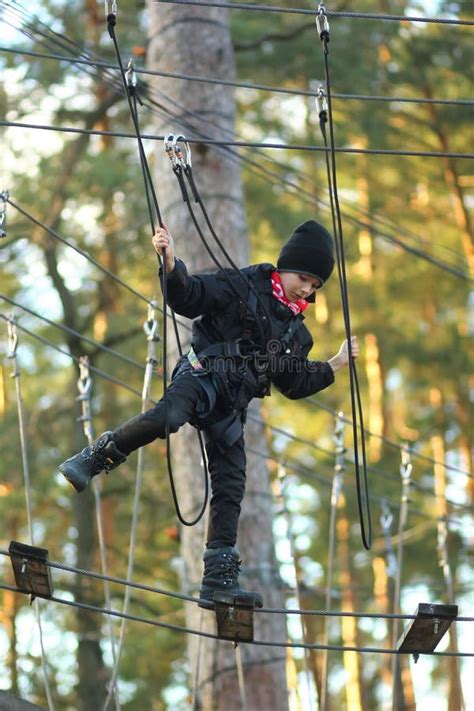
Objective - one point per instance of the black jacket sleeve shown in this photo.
(298, 378)
(195, 295)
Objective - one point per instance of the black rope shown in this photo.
(356, 403)
(153, 201)
(179, 171)
(238, 84)
(239, 144)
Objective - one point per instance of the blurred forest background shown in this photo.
(408, 238)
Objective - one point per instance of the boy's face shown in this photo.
(298, 286)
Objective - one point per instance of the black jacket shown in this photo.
(218, 303)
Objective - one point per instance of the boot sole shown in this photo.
(76, 485)
(206, 604)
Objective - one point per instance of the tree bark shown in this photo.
(182, 39)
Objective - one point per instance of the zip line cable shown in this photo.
(374, 217)
(304, 11)
(99, 372)
(100, 64)
(83, 52)
(80, 251)
(391, 443)
(262, 610)
(90, 259)
(258, 643)
(356, 403)
(300, 469)
(363, 225)
(237, 144)
(73, 332)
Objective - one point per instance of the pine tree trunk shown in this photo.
(194, 40)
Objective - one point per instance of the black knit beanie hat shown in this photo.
(309, 250)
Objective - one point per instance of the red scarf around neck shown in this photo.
(297, 307)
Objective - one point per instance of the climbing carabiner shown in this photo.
(321, 104)
(131, 77)
(185, 159)
(169, 150)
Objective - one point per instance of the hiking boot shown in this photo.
(103, 455)
(221, 574)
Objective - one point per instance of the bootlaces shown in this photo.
(231, 568)
(98, 456)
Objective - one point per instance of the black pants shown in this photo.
(185, 397)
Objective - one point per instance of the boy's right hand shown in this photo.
(164, 245)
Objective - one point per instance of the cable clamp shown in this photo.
(84, 383)
(12, 337)
(151, 324)
(386, 518)
(4, 195)
(406, 466)
(322, 23)
(321, 104)
(131, 77)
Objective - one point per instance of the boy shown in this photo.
(248, 334)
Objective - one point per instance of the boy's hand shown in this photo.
(342, 356)
(163, 243)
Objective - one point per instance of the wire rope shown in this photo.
(304, 11)
(261, 643)
(100, 64)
